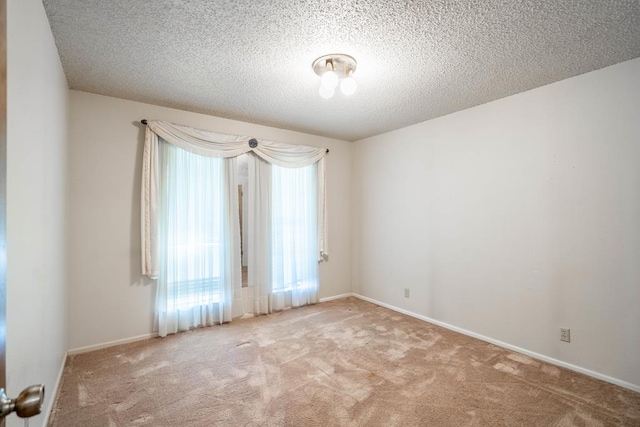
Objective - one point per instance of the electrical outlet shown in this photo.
(565, 335)
(406, 292)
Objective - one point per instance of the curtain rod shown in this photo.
(144, 122)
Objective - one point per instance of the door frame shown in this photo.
(3, 192)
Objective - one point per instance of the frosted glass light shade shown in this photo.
(326, 92)
(348, 86)
(330, 80)
(335, 69)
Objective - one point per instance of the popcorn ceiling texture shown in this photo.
(251, 60)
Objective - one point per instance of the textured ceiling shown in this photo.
(251, 60)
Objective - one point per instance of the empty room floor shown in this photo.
(341, 363)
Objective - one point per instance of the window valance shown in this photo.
(212, 144)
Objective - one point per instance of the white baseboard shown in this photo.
(110, 344)
(349, 294)
(54, 392)
(502, 344)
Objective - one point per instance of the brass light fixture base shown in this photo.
(339, 63)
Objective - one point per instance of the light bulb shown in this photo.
(326, 92)
(348, 86)
(330, 80)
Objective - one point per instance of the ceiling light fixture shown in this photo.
(336, 69)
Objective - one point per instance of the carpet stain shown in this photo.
(495, 388)
(551, 370)
(143, 419)
(475, 363)
(361, 334)
(123, 406)
(521, 358)
(396, 353)
(573, 420)
(508, 368)
(83, 396)
(148, 370)
(238, 373)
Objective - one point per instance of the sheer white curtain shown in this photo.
(197, 266)
(190, 233)
(294, 236)
(283, 235)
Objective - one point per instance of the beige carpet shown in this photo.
(340, 363)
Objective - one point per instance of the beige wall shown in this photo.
(513, 219)
(36, 158)
(108, 298)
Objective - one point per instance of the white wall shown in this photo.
(108, 299)
(36, 161)
(513, 219)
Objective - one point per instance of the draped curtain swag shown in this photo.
(211, 144)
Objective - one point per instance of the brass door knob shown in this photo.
(27, 404)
